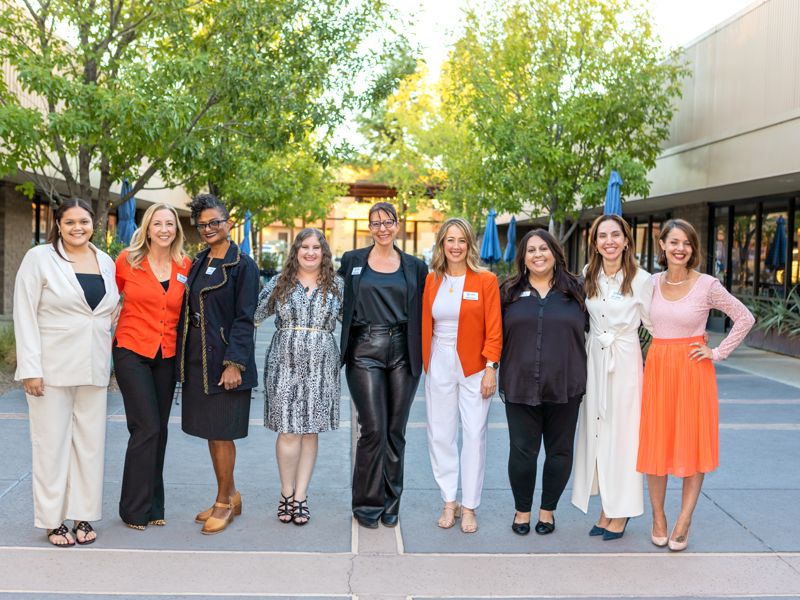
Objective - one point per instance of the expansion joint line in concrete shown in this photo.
(13, 486)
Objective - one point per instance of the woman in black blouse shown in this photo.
(542, 374)
(382, 350)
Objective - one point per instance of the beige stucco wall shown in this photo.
(736, 132)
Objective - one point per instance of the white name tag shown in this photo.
(356, 271)
(470, 295)
(617, 296)
(525, 294)
(181, 278)
(210, 270)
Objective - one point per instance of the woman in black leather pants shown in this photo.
(382, 351)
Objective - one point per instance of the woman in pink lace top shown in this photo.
(679, 428)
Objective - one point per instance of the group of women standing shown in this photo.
(567, 350)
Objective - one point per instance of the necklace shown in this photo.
(449, 281)
(681, 282)
(160, 270)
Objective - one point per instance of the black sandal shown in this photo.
(286, 508)
(86, 528)
(61, 530)
(301, 512)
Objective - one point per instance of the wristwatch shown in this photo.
(492, 365)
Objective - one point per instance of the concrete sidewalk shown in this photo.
(744, 541)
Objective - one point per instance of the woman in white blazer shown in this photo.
(618, 296)
(65, 304)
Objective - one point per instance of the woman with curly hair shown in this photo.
(216, 352)
(301, 369)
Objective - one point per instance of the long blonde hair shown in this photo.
(140, 244)
(439, 260)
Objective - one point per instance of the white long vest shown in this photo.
(608, 423)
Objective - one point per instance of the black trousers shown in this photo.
(382, 388)
(527, 426)
(147, 386)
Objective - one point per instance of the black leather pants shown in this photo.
(382, 388)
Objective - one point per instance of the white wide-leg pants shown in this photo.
(448, 396)
(68, 436)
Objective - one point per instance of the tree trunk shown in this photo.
(103, 197)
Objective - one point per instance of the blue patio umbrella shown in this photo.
(511, 243)
(126, 212)
(490, 248)
(776, 255)
(613, 204)
(245, 247)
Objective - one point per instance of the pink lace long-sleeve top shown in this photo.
(687, 317)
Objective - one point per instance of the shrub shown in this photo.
(8, 348)
(777, 315)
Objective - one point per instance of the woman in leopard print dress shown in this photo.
(301, 374)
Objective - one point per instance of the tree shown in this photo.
(190, 89)
(553, 95)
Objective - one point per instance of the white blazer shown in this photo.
(59, 338)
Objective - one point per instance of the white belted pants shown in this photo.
(449, 398)
(68, 435)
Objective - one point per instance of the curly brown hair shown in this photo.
(287, 279)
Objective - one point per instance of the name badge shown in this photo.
(356, 271)
(525, 294)
(210, 270)
(181, 278)
(617, 296)
(470, 295)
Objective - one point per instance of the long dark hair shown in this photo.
(54, 235)
(287, 279)
(563, 281)
(629, 266)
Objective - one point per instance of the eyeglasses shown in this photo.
(211, 225)
(376, 225)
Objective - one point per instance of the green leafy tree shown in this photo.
(558, 93)
(538, 102)
(192, 90)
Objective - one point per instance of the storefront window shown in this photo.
(41, 220)
(743, 253)
(773, 254)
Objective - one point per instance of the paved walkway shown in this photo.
(745, 541)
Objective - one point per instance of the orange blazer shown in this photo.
(149, 318)
(480, 326)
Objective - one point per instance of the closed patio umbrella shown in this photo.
(126, 212)
(613, 203)
(511, 243)
(776, 256)
(490, 248)
(245, 247)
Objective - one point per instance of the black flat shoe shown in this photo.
(521, 528)
(368, 523)
(595, 530)
(389, 520)
(543, 528)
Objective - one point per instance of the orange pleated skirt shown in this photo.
(679, 427)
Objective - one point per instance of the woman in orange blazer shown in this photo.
(462, 338)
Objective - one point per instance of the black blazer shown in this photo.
(415, 272)
(227, 306)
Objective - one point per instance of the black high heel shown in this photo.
(615, 535)
(301, 512)
(286, 508)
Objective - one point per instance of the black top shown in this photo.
(165, 285)
(414, 270)
(544, 352)
(229, 297)
(200, 282)
(382, 298)
(94, 288)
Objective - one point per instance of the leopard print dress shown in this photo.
(301, 371)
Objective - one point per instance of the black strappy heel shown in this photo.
(301, 512)
(286, 508)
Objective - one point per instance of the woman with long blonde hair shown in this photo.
(151, 275)
(462, 340)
